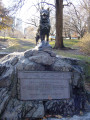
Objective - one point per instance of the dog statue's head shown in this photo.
(44, 14)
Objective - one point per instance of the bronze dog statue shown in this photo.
(44, 28)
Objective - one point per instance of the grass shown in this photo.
(84, 43)
(73, 44)
(17, 48)
(18, 45)
(67, 42)
(21, 44)
(7, 38)
(81, 57)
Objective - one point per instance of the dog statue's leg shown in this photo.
(47, 37)
(37, 37)
(36, 40)
(44, 37)
(42, 44)
(47, 42)
(41, 37)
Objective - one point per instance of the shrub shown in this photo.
(84, 44)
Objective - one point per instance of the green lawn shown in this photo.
(67, 42)
(73, 44)
(18, 45)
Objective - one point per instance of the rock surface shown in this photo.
(75, 117)
(35, 60)
(61, 65)
(17, 109)
(43, 59)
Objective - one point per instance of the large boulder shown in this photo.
(17, 110)
(61, 65)
(43, 59)
(11, 107)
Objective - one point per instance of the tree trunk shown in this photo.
(59, 24)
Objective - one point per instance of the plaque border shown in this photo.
(19, 83)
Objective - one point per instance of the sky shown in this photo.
(27, 12)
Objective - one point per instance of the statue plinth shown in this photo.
(43, 45)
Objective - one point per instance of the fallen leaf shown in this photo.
(81, 113)
(58, 116)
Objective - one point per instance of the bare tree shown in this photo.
(85, 7)
(75, 22)
(15, 6)
(66, 26)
